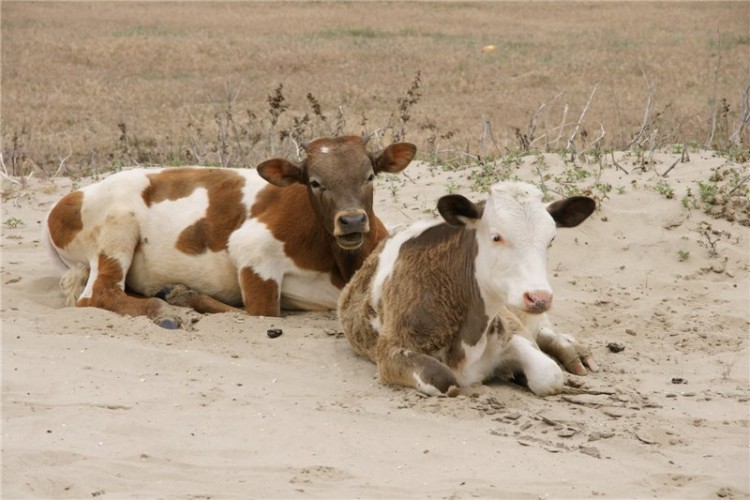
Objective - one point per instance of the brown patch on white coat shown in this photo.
(213, 239)
(431, 306)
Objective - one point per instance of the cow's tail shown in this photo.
(51, 249)
(73, 283)
(75, 277)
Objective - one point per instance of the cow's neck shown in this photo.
(291, 218)
(346, 261)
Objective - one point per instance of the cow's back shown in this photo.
(419, 283)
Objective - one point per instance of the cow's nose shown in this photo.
(537, 301)
(352, 220)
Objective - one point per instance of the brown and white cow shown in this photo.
(215, 238)
(447, 304)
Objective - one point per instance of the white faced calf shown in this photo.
(282, 235)
(437, 304)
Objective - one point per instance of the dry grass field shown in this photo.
(100, 85)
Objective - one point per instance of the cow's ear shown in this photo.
(280, 172)
(394, 158)
(571, 211)
(458, 210)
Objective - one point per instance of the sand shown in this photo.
(99, 405)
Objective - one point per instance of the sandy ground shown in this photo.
(97, 405)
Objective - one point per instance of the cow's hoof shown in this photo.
(168, 323)
(545, 382)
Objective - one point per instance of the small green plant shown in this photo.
(393, 184)
(577, 174)
(451, 187)
(484, 178)
(707, 192)
(604, 188)
(688, 201)
(664, 189)
(682, 255)
(512, 158)
(738, 154)
(13, 222)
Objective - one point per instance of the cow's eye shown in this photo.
(550, 243)
(497, 238)
(371, 178)
(315, 184)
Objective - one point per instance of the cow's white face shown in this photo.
(513, 236)
(513, 231)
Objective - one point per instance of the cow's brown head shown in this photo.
(339, 174)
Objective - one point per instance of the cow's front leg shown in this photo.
(574, 357)
(543, 375)
(261, 297)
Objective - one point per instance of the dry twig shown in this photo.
(738, 134)
(569, 146)
(617, 165)
(562, 126)
(62, 167)
(646, 112)
(714, 110)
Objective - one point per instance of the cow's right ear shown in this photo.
(280, 172)
(458, 210)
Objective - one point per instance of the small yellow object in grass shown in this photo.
(488, 49)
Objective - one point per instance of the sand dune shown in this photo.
(98, 405)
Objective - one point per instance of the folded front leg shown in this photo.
(574, 357)
(543, 375)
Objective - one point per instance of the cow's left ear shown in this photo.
(458, 210)
(394, 158)
(280, 172)
(571, 211)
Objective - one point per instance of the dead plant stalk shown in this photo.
(570, 147)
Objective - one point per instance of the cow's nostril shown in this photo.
(352, 220)
(538, 300)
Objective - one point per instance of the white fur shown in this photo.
(506, 271)
(309, 291)
(73, 283)
(424, 387)
(479, 362)
(266, 255)
(543, 374)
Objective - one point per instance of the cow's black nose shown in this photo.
(352, 220)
